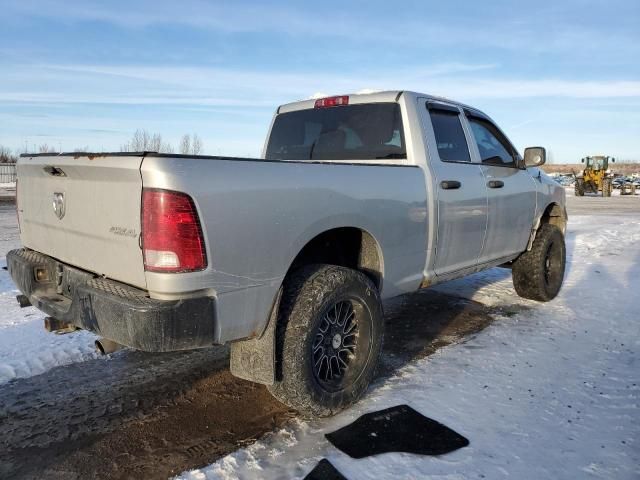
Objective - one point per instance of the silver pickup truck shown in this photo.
(356, 198)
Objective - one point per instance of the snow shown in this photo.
(26, 348)
(552, 392)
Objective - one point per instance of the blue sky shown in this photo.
(564, 74)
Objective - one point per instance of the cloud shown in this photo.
(202, 86)
(231, 17)
(522, 88)
(548, 30)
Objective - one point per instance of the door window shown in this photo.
(494, 148)
(452, 144)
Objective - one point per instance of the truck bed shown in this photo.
(256, 216)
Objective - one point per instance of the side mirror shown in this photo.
(534, 156)
(582, 160)
(613, 160)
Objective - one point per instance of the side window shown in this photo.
(452, 144)
(494, 148)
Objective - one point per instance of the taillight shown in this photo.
(332, 101)
(171, 234)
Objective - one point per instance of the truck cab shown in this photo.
(482, 200)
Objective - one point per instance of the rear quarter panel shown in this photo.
(258, 215)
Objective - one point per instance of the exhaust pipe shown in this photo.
(105, 346)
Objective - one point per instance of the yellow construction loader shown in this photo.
(596, 176)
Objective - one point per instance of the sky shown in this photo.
(75, 73)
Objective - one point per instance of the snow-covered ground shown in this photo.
(26, 349)
(552, 392)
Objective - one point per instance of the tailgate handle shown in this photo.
(450, 184)
(54, 171)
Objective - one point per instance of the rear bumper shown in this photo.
(111, 309)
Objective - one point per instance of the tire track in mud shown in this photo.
(140, 415)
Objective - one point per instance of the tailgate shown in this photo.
(84, 211)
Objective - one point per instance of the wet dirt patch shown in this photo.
(217, 415)
(153, 416)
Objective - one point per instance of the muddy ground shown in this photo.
(140, 415)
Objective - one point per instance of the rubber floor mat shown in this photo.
(396, 429)
(324, 470)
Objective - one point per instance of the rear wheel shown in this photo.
(329, 337)
(538, 274)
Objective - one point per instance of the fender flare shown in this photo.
(555, 211)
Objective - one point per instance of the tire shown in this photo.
(606, 188)
(579, 188)
(538, 273)
(314, 332)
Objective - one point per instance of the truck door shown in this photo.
(511, 191)
(461, 194)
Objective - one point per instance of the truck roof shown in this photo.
(369, 97)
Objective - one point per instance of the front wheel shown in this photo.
(329, 337)
(538, 273)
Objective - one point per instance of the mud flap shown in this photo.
(255, 359)
(396, 429)
(324, 470)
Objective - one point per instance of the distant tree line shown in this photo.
(141, 141)
(11, 156)
(7, 155)
(144, 141)
(626, 167)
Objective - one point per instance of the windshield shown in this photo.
(353, 132)
(597, 163)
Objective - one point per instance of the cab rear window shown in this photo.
(353, 132)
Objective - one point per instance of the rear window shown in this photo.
(353, 132)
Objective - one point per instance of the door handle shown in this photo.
(495, 184)
(450, 184)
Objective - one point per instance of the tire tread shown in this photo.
(300, 303)
(528, 268)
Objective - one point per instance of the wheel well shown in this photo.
(347, 247)
(258, 359)
(555, 215)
